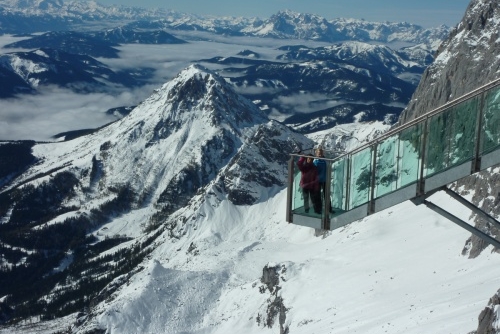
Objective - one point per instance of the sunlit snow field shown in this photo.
(399, 271)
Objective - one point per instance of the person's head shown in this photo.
(309, 158)
(319, 152)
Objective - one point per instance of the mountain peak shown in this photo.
(199, 90)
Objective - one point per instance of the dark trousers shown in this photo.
(314, 196)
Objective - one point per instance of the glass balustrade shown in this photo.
(451, 137)
(338, 189)
(361, 170)
(387, 165)
(491, 121)
(398, 160)
(303, 201)
(410, 148)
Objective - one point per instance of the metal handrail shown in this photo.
(431, 113)
(415, 121)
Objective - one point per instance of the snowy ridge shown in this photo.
(364, 55)
(289, 24)
(195, 120)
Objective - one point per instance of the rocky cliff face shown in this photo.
(468, 59)
(489, 316)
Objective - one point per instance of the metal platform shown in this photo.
(407, 163)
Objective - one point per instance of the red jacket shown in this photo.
(309, 178)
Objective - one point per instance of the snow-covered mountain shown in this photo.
(467, 60)
(365, 82)
(46, 66)
(288, 24)
(172, 220)
(284, 24)
(70, 42)
(338, 83)
(194, 140)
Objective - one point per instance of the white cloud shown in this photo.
(307, 102)
(56, 110)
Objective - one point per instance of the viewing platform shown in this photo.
(410, 162)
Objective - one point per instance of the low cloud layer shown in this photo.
(307, 102)
(54, 110)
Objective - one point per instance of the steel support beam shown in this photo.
(462, 224)
(472, 207)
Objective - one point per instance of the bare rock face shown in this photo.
(486, 188)
(467, 60)
(489, 316)
(275, 308)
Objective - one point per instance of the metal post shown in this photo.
(423, 146)
(476, 162)
(371, 205)
(289, 192)
(326, 204)
(347, 183)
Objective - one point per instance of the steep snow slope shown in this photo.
(390, 273)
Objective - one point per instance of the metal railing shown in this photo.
(448, 143)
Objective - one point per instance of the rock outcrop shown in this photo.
(467, 60)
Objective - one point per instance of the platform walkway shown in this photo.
(407, 163)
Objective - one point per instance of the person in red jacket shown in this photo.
(309, 182)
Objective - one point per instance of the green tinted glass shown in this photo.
(359, 186)
(386, 173)
(338, 184)
(463, 130)
(409, 155)
(299, 197)
(297, 200)
(491, 121)
(438, 138)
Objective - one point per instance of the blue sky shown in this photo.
(427, 13)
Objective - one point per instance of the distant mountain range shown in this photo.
(27, 71)
(49, 15)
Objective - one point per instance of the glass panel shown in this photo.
(491, 121)
(463, 132)
(438, 139)
(409, 154)
(451, 139)
(386, 174)
(338, 184)
(297, 201)
(360, 178)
